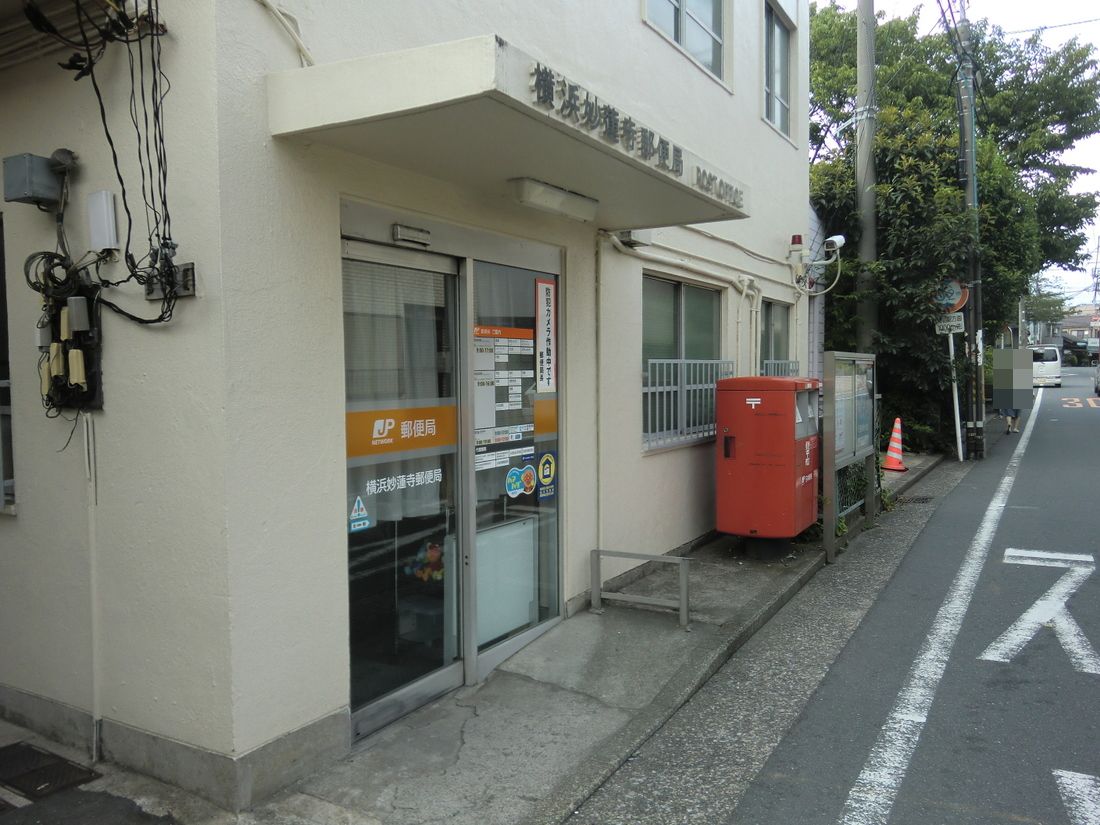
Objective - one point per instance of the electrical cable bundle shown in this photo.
(100, 23)
(68, 329)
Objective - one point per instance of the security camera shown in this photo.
(834, 242)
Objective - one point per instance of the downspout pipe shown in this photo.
(754, 327)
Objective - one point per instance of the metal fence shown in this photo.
(7, 471)
(781, 368)
(851, 488)
(678, 400)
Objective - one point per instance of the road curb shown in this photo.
(598, 766)
(916, 474)
(567, 795)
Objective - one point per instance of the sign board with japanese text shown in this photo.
(952, 322)
(850, 406)
(546, 366)
(848, 430)
(396, 430)
(570, 103)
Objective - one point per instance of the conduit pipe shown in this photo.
(283, 18)
(754, 323)
(757, 255)
(745, 284)
(599, 401)
(749, 283)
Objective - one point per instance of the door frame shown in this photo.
(391, 706)
(366, 234)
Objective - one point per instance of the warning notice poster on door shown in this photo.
(546, 365)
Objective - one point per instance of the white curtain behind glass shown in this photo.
(398, 339)
(391, 335)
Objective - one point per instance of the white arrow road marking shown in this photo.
(1044, 558)
(1080, 795)
(1049, 611)
(872, 797)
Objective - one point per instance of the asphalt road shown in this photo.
(945, 671)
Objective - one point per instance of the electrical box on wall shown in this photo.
(70, 340)
(31, 179)
(184, 283)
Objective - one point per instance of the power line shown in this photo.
(1055, 26)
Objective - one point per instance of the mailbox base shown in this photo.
(759, 549)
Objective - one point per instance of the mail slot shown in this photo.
(767, 455)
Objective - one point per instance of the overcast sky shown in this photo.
(1022, 16)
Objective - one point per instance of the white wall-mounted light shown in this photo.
(553, 199)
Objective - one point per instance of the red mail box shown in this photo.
(768, 456)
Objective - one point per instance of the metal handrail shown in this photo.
(598, 594)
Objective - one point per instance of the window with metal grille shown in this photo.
(681, 343)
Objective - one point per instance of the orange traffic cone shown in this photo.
(893, 452)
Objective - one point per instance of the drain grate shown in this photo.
(914, 499)
(19, 758)
(36, 773)
(49, 779)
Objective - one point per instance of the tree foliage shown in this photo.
(1045, 307)
(1034, 104)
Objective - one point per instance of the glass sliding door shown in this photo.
(516, 460)
(400, 340)
(453, 471)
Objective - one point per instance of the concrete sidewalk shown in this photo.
(533, 741)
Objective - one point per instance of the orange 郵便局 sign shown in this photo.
(375, 432)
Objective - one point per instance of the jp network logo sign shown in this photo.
(382, 427)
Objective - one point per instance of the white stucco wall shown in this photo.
(114, 595)
(613, 52)
(289, 546)
(616, 54)
(203, 595)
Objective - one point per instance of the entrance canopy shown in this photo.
(482, 114)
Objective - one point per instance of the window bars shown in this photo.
(678, 400)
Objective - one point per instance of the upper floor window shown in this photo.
(777, 71)
(694, 24)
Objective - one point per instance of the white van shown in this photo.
(1046, 367)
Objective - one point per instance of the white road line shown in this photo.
(1050, 610)
(872, 797)
(1043, 558)
(1080, 796)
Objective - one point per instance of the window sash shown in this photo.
(680, 320)
(701, 17)
(681, 343)
(775, 332)
(777, 75)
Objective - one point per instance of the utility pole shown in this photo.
(1096, 271)
(867, 308)
(975, 426)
